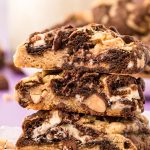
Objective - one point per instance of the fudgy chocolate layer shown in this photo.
(78, 131)
(85, 83)
(93, 46)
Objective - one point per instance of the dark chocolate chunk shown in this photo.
(128, 39)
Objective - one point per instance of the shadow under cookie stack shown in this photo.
(87, 96)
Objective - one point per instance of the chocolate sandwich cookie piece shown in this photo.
(77, 20)
(82, 91)
(59, 130)
(91, 47)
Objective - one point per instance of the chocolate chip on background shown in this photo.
(4, 85)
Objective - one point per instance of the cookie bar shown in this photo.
(83, 92)
(55, 130)
(93, 46)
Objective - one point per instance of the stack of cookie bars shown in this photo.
(86, 94)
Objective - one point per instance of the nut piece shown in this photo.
(36, 98)
(95, 103)
(44, 93)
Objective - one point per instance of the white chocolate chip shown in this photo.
(79, 97)
(54, 120)
(41, 40)
(75, 133)
(130, 64)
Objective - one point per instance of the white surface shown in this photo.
(12, 133)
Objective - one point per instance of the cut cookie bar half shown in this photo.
(56, 130)
(93, 46)
(82, 92)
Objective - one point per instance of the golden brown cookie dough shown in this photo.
(82, 92)
(91, 47)
(59, 130)
(6, 145)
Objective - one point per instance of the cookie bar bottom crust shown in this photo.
(114, 142)
(47, 147)
(132, 142)
(38, 148)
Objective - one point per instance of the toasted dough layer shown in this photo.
(58, 130)
(82, 92)
(93, 46)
